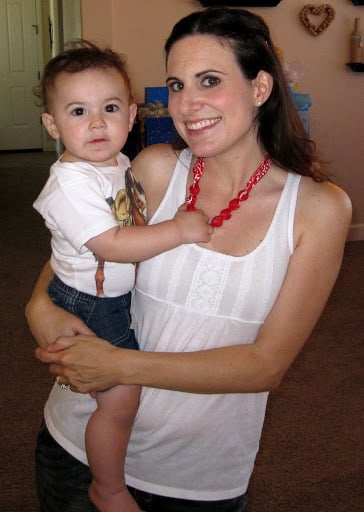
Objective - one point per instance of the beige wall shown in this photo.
(139, 28)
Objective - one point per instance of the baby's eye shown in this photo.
(111, 108)
(79, 111)
(175, 86)
(211, 81)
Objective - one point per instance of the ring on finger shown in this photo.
(62, 386)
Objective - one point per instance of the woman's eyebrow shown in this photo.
(199, 74)
(169, 78)
(207, 71)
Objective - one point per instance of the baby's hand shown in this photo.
(194, 226)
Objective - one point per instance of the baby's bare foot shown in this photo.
(120, 501)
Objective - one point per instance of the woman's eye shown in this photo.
(111, 108)
(175, 86)
(211, 81)
(79, 111)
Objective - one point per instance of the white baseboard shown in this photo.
(356, 232)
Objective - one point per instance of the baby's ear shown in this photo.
(133, 109)
(50, 125)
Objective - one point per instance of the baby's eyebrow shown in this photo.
(75, 104)
(114, 98)
(82, 104)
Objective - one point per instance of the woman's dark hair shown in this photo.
(81, 56)
(280, 130)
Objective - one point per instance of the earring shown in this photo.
(259, 103)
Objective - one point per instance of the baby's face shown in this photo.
(92, 115)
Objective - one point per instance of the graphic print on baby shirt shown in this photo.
(130, 209)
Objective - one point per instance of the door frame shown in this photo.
(54, 16)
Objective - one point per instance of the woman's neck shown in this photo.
(232, 171)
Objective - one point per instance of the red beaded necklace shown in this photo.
(234, 204)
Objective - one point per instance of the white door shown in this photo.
(20, 126)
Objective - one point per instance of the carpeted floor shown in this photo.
(311, 450)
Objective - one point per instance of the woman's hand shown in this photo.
(86, 363)
(48, 321)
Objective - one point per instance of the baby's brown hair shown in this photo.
(83, 55)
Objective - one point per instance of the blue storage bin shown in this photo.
(303, 103)
(158, 127)
(159, 130)
(155, 94)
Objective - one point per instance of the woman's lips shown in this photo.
(203, 123)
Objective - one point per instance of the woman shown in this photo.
(219, 323)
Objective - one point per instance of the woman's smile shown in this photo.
(193, 126)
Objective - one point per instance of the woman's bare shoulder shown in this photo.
(325, 195)
(323, 206)
(153, 168)
(158, 158)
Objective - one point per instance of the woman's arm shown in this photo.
(323, 220)
(154, 167)
(46, 320)
(323, 217)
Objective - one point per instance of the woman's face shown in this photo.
(212, 104)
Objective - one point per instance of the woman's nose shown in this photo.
(189, 102)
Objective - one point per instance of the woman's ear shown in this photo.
(50, 125)
(263, 85)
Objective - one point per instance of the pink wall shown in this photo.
(139, 29)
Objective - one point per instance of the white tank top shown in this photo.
(203, 446)
(186, 445)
